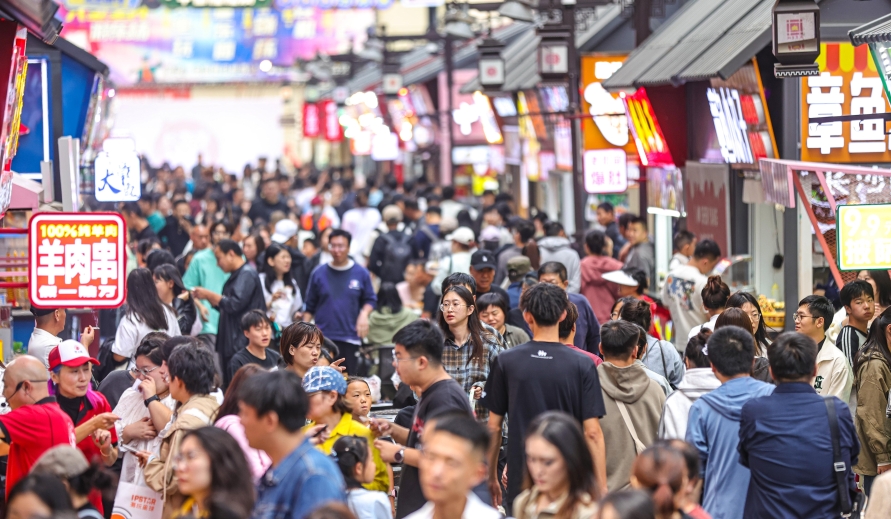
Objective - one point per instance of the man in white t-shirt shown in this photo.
(360, 222)
(682, 292)
(49, 324)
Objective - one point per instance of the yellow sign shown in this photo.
(607, 126)
(863, 234)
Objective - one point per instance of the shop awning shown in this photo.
(704, 39)
(875, 31)
(39, 16)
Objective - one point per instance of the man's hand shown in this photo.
(140, 430)
(477, 392)
(362, 325)
(88, 336)
(379, 426)
(104, 421)
(200, 292)
(883, 468)
(504, 476)
(317, 434)
(495, 489)
(388, 450)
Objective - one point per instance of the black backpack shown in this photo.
(396, 257)
(106, 360)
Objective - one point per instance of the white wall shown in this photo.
(229, 130)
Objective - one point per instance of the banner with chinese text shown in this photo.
(77, 260)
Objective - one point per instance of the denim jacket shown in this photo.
(302, 482)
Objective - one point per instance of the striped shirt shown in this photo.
(849, 341)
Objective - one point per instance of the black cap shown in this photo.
(482, 259)
(40, 312)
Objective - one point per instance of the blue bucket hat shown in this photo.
(324, 378)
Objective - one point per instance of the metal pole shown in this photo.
(789, 149)
(450, 84)
(578, 181)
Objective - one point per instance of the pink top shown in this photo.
(257, 459)
(597, 360)
(599, 292)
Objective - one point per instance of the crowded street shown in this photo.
(445, 259)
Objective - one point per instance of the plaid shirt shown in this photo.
(468, 373)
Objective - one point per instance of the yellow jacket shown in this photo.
(349, 427)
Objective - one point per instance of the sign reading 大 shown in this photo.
(77, 260)
(864, 237)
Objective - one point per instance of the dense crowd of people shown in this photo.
(528, 373)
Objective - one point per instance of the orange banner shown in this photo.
(607, 126)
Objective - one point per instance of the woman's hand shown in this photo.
(148, 388)
(477, 392)
(140, 430)
(102, 439)
(278, 295)
(104, 421)
(143, 457)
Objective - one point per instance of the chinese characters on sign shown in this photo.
(864, 237)
(606, 171)
(730, 125)
(648, 136)
(77, 260)
(848, 84)
(608, 125)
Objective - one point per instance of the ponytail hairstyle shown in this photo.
(715, 293)
(347, 452)
(661, 471)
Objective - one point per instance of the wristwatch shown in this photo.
(400, 456)
(149, 400)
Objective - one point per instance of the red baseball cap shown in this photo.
(70, 353)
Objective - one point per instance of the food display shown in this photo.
(773, 312)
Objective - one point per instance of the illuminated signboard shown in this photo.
(118, 172)
(77, 260)
(864, 237)
(311, 121)
(648, 136)
(487, 118)
(848, 84)
(384, 146)
(605, 171)
(730, 125)
(327, 114)
(608, 125)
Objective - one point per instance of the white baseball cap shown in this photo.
(462, 235)
(70, 353)
(620, 277)
(285, 230)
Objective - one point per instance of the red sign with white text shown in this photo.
(648, 136)
(77, 260)
(330, 122)
(311, 121)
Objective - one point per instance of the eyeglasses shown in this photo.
(395, 360)
(799, 316)
(448, 306)
(185, 457)
(136, 372)
(22, 383)
(755, 317)
(333, 246)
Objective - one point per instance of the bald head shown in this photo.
(32, 375)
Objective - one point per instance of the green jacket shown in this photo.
(873, 381)
(204, 272)
(383, 325)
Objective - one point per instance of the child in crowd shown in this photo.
(859, 301)
(353, 457)
(258, 330)
(358, 398)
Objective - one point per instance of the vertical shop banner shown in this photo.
(708, 202)
(311, 120)
(848, 84)
(330, 125)
(607, 126)
(77, 260)
(13, 70)
(648, 137)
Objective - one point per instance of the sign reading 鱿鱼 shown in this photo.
(863, 237)
(77, 260)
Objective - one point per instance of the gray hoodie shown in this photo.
(556, 248)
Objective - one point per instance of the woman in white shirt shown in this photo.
(715, 294)
(145, 314)
(283, 298)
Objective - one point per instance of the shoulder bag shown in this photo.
(638, 445)
(851, 506)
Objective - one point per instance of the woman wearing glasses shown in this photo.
(140, 421)
(748, 304)
(469, 348)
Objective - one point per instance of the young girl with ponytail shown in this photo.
(353, 456)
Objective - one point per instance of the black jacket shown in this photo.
(241, 293)
(186, 313)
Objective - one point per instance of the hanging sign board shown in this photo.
(77, 260)
(863, 237)
(606, 171)
(648, 136)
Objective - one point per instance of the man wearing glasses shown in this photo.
(834, 376)
(36, 423)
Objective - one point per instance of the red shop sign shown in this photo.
(77, 260)
(330, 122)
(645, 129)
(311, 122)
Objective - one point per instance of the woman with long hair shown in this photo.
(173, 293)
(301, 347)
(71, 373)
(325, 389)
(881, 286)
(469, 349)
(210, 468)
(389, 316)
(715, 294)
(282, 295)
(228, 420)
(748, 304)
(872, 382)
(80, 477)
(734, 317)
(38, 495)
(145, 313)
(662, 472)
(253, 247)
(352, 454)
(559, 477)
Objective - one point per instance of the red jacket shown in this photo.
(598, 291)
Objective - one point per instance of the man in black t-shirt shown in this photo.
(417, 356)
(258, 330)
(541, 375)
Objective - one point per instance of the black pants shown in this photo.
(350, 353)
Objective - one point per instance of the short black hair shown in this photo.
(525, 229)
(545, 302)
(682, 239)
(280, 392)
(180, 201)
(504, 198)
(341, 233)
(434, 209)
(792, 356)
(465, 427)
(707, 249)
(855, 289)
(625, 219)
(553, 267)
(572, 315)
(488, 299)
(253, 318)
(194, 367)
(448, 193)
(606, 206)
(458, 279)
(157, 257)
(641, 220)
(731, 350)
(596, 241)
(819, 306)
(422, 338)
(132, 208)
(553, 228)
(695, 345)
(226, 246)
(618, 338)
